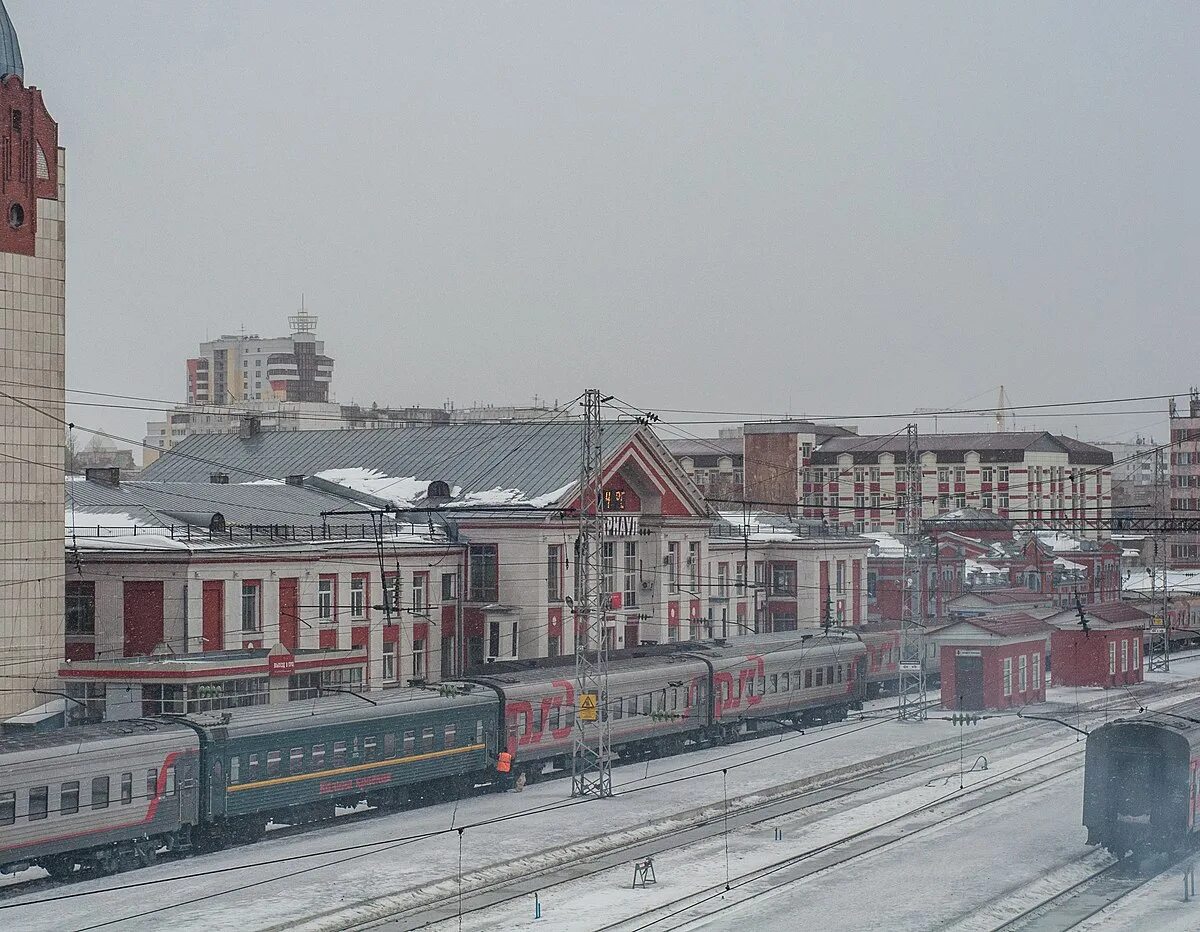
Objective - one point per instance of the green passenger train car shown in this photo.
(296, 762)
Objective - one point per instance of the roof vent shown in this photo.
(218, 478)
(297, 479)
(248, 426)
(438, 489)
(105, 475)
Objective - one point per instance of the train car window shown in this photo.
(8, 808)
(68, 798)
(274, 762)
(631, 706)
(662, 700)
(318, 756)
(556, 715)
(169, 783)
(339, 753)
(737, 688)
(152, 782)
(370, 747)
(829, 675)
(296, 760)
(389, 744)
(449, 736)
(762, 685)
(646, 704)
(820, 677)
(408, 742)
(479, 731)
(39, 802)
(674, 699)
(354, 749)
(235, 769)
(252, 766)
(808, 679)
(126, 789)
(839, 666)
(750, 686)
(427, 735)
(773, 685)
(786, 683)
(99, 792)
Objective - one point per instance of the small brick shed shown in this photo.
(992, 662)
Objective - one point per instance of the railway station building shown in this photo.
(992, 662)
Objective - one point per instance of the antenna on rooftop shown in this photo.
(1001, 408)
(302, 321)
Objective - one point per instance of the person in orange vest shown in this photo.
(504, 762)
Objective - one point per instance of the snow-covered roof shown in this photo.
(1064, 564)
(886, 545)
(1139, 582)
(974, 567)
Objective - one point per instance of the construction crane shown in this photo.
(1001, 414)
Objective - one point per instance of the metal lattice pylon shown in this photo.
(911, 675)
(1159, 656)
(591, 763)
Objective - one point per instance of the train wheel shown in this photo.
(62, 868)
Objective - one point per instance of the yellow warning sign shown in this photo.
(587, 707)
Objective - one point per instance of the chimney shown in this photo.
(297, 479)
(104, 475)
(248, 426)
(219, 478)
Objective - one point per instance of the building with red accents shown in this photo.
(992, 662)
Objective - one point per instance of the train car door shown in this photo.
(968, 679)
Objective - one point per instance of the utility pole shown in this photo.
(1160, 630)
(591, 765)
(911, 678)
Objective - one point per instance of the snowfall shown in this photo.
(965, 871)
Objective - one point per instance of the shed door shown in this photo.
(289, 613)
(213, 595)
(968, 681)
(143, 616)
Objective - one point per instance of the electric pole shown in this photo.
(1160, 629)
(591, 764)
(911, 677)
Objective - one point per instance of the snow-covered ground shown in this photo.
(287, 881)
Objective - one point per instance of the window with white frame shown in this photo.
(722, 580)
(515, 639)
(358, 596)
(1124, 656)
(841, 577)
(673, 565)
(325, 598)
(741, 578)
(418, 658)
(1008, 683)
(608, 566)
(389, 660)
(1038, 682)
(251, 606)
(554, 586)
(1023, 673)
(694, 564)
(1137, 653)
(1112, 657)
(420, 595)
(631, 574)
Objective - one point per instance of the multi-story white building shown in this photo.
(247, 367)
(32, 422)
(1034, 478)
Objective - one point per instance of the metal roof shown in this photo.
(167, 504)
(536, 458)
(10, 48)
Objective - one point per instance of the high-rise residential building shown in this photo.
(1183, 550)
(246, 367)
(31, 368)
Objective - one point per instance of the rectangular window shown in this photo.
(493, 639)
(820, 677)
(554, 587)
(722, 580)
(39, 802)
(251, 606)
(1002, 474)
(449, 587)
(235, 769)
(773, 683)
(126, 789)
(392, 593)
(99, 792)
(1112, 657)
(631, 574)
(252, 766)
(296, 760)
(741, 578)
(427, 739)
(68, 798)
(694, 564)
(841, 577)
(1124, 656)
(169, 783)
(318, 756)
(513, 641)
(81, 608)
(673, 565)
(1008, 683)
(8, 808)
(450, 736)
(1137, 654)
(484, 572)
(370, 747)
(389, 661)
(608, 567)
(325, 587)
(986, 474)
(1036, 660)
(420, 592)
(409, 742)
(339, 753)
(419, 658)
(152, 777)
(274, 763)
(1023, 673)
(943, 474)
(808, 679)
(358, 595)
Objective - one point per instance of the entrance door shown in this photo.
(213, 631)
(143, 617)
(968, 682)
(289, 613)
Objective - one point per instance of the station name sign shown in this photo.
(620, 525)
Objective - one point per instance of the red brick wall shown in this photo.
(19, 142)
(771, 470)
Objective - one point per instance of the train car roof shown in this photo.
(513, 674)
(81, 739)
(337, 709)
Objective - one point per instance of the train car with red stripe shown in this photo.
(97, 798)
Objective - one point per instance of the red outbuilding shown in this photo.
(1105, 655)
(992, 662)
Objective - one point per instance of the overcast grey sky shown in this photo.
(763, 207)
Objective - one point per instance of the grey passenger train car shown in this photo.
(98, 797)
